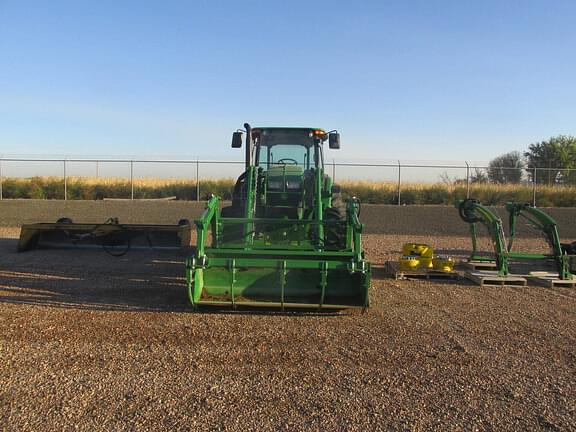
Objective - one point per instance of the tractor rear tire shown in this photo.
(231, 233)
(335, 235)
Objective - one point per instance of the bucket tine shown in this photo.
(323, 283)
(232, 270)
(282, 284)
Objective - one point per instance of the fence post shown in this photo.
(467, 180)
(534, 187)
(65, 181)
(132, 180)
(399, 181)
(333, 170)
(197, 180)
(1, 182)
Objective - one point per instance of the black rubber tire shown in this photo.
(117, 246)
(183, 222)
(64, 220)
(231, 233)
(335, 235)
(239, 192)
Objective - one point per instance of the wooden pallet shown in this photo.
(491, 278)
(394, 270)
(551, 280)
(479, 265)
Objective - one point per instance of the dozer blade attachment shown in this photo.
(113, 237)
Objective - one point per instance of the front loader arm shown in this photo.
(209, 218)
(547, 225)
(472, 211)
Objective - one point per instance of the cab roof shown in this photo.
(315, 131)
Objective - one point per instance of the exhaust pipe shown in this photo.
(248, 144)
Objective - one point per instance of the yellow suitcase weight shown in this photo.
(426, 262)
(419, 249)
(409, 262)
(443, 263)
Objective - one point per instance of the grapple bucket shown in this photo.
(112, 236)
(263, 268)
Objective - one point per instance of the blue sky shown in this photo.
(411, 80)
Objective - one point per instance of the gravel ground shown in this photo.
(93, 342)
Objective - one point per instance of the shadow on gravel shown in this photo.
(274, 312)
(143, 280)
(379, 272)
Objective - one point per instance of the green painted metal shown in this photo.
(473, 212)
(287, 255)
(262, 274)
(547, 225)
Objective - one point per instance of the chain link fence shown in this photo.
(403, 177)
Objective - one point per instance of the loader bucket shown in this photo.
(284, 274)
(114, 237)
(313, 281)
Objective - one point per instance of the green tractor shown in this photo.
(288, 240)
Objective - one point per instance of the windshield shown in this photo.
(287, 147)
(284, 154)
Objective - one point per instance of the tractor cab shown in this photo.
(274, 147)
(286, 161)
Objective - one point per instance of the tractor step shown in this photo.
(551, 280)
(393, 269)
(492, 278)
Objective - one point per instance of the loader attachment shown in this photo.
(113, 237)
(472, 212)
(278, 263)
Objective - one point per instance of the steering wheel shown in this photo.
(284, 160)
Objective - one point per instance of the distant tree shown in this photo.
(554, 156)
(478, 176)
(506, 168)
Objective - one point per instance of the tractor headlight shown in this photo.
(293, 185)
(275, 185)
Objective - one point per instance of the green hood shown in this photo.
(279, 176)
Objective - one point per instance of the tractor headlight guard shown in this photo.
(275, 185)
(293, 185)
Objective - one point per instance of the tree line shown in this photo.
(554, 160)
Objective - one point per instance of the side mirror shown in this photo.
(237, 140)
(334, 140)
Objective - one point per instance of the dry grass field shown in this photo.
(369, 191)
(92, 342)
